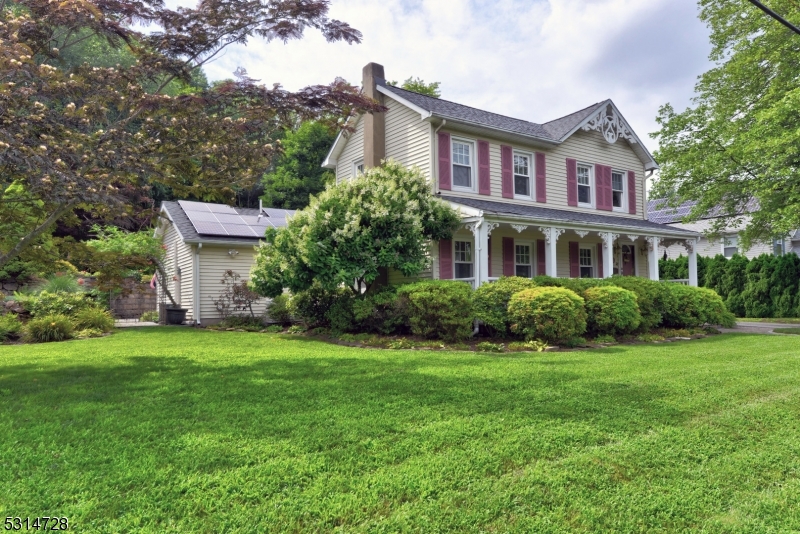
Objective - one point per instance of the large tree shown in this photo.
(740, 141)
(73, 136)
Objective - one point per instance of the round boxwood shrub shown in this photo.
(313, 306)
(552, 314)
(654, 299)
(697, 306)
(378, 312)
(611, 310)
(93, 319)
(48, 328)
(491, 302)
(278, 310)
(438, 308)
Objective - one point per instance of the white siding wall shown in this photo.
(408, 138)
(712, 247)
(214, 261)
(352, 152)
(183, 294)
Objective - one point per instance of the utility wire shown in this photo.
(775, 16)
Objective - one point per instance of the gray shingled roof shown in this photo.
(575, 217)
(551, 131)
(659, 211)
(189, 234)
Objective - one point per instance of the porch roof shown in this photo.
(578, 218)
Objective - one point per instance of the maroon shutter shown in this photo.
(445, 259)
(574, 260)
(572, 182)
(541, 267)
(508, 257)
(599, 260)
(507, 168)
(603, 186)
(489, 244)
(444, 161)
(484, 180)
(541, 178)
(632, 192)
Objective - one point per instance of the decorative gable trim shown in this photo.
(424, 113)
(331, 160)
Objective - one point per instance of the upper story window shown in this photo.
(730, 245)
(462, 259)
(463, 156)
(617, 190)
(358, 167)
(778, 246)
(522, 175)
(586, 262)
(585, 185)
(523, 264)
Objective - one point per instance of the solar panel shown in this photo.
(239, 230)
(208, 228)
(221, 208)
(222, 220)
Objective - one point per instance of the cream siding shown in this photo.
(353, 151)
(180, 254)
(214, 261)
(407, 137)
(712, 247)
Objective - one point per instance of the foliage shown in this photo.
(235, 296)
(312, 306)
(242, 322)
(678, 268)
(611, 310)
(649, 338)
(45, 303)
(491, 301)
(149, 317)
(47, 328)
(94, 319)
(298, 172)
(697, 306)
(274, 329)
(739, 141)
(340, 315)
(379, 312)
(278, 310)
(552, 314)
(605, 339)
(487, 346)
(788, 330)
(418, 85)
(295, 329)
(531, 345)
(383, 219)
(60, 283)
(88, 333)
(118, 241)
(438, 309)
(10, 326)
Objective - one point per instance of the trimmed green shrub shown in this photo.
(653, 298)
(46, 303)
(611, 310)
(278, 310)
(490, 302)
(312, 305)
(94, 319)
(553, 314)
(48, 328)
(243, 322)
(340, 315)
(274, 329)
(380, 312)
(149, 317)
(578, 285)
(88, 333)
(438, 308)
(697, 306)
(10, 326)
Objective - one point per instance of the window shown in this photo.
(617, 190)
(524, 267)
(462, 164)
(463, 259)
(358, 167)
(522, 175)
(730, 245)
(587, 267)
(584, 185)
(778, 246)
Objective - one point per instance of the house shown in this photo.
(202, 241)
(659, 211)
(564, 198)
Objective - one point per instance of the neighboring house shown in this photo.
(204, 240)
(727, 244)
(564, 198)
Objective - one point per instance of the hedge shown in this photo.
(552, 314)
(438, 308)
(491, 302)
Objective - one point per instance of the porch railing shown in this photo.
(682, 281)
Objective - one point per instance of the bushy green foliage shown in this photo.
(678, 268)
(611, 310)
(340, 315)
(438, 308)
(45, 303)
(94, 319)
(653, 298)
(487, 346)
(149, 316)
(553, 314)
(578, 285)
(274, 329)
(48, 328)
(242, 322)
(60, 283)
(312, 305)
(380, 312)
(10, 326)
(697, 306)
(278, 310)
(491, 301)
(88, 333)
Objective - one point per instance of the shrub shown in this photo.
(243, 322)
(312, 305)
(490, 302)
(611, 310)
(48, 328)
(273, 329)
(60, 283)
(553, 314)
(379, 312)
(697, 306)
(10, 326)
(295, 329)
(538, 346)
(278, 310)
(486, 346)
(438, 308)
(653, 298)
(605, 339)
(93, 318)
(46, 303)
(340, 315)
(88, 333)
(149, 317)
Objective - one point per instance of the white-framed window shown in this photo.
(618, 190)
(730, 245)
(523, 261)
(778, 246)
(463, 158)
(462, 260)
(585, 185)
(358, 167)
(586, 261)
(523, 173)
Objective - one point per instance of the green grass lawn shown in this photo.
(177, 430)
(794, 330)
(783, 320)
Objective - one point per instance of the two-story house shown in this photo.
(564, 198)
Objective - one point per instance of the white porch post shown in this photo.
(551, 236)
(608, 253)
(690, 246)
(652, 256)
(478, 229)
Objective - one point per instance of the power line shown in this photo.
(775, 16)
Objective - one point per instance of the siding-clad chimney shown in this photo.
(374, 123)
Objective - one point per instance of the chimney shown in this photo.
(374, 123)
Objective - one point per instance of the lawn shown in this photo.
(177, 430)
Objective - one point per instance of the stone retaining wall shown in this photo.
(140, 299)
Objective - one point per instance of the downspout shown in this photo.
(197, 284)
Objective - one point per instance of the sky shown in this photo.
(534, 60)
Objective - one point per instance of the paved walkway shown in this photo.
(126, 323)
(749, 327)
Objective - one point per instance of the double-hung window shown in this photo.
(617, 190)
(463, 159)
(462, 258)
(584, 185)
(730, 245)
(586, 262)
(522, 175)
(523, 263)
(778, 246)
(358, 168)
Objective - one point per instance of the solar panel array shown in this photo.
(222, 220)
(659, 211)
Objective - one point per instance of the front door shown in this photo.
(628, 260)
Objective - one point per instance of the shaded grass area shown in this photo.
(781, 320)
(795, 330)
(167, 430)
